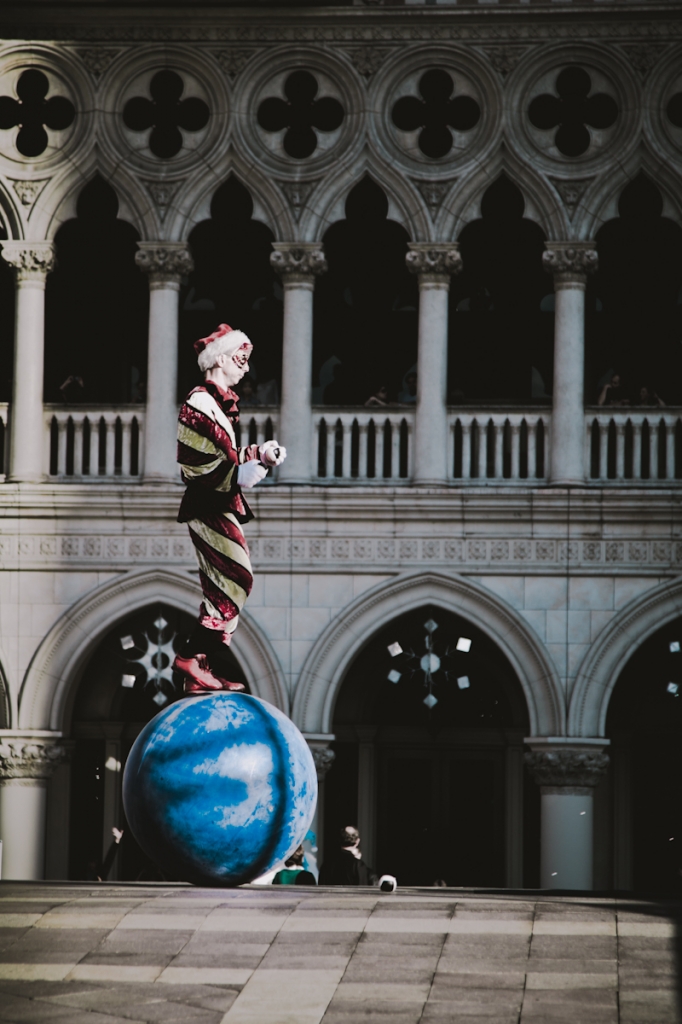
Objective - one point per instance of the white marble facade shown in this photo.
(567, 575)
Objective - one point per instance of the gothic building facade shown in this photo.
(453, 232)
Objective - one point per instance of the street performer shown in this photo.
(216, 471)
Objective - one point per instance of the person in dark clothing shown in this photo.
(293, 872)
(345, 865)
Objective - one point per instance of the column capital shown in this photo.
(434, 261)
(298, 260)
(30, 756)
(565, 764)
(570, 262)
(322, 755)
(29, 259)
(164, 261)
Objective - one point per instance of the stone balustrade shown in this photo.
(634, 446)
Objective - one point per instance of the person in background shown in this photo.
(345, 865)
(408, 396)
(73, 389)
(248, 394)
(380, 396)
(293, 872)
(647, 396)
(613, 392)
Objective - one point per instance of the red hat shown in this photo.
(201, 344)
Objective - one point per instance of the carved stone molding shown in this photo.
(29, 259)
(97, 59)
(434, 192)
(167, 261)
(572, 769)
(368, 59)
(434, 260)
(297, 193)
(504, 58)
(297, 260)
(28, 191)
(571, 192)
(570, 261)
(162, 193)
(29, 757)
(233, 59)
(643, 56)
(323, 758)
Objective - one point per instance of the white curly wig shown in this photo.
(224, 341)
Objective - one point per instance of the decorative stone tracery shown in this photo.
(30, 757)
(579, 769)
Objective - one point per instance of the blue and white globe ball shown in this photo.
(218, 789)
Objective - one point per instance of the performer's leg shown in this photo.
(204, 662)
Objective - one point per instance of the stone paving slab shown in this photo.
(108, 954)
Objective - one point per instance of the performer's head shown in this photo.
(224, 355)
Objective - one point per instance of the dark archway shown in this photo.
(441, 772)
(125, 683)
(365, 327)
(501, 307)
(97, 302)
(233, 282)
(644, 724)
(6, 327)
(634, 301)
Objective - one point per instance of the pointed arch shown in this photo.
(10, 218)
(607, 657)
(5, 702)
(57, 666)
(330, 658)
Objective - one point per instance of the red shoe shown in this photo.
(198, 676)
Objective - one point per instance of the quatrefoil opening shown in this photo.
(674, 110)
(33, 112)
(572, 111)
(436, 113)
(165, 113)
(301, 114)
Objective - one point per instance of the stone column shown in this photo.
(323, 758)
(434, 264)
(32, 262)
(297, 264)
(165, 263)
(567, 771)
(570, 263)
(27, 760)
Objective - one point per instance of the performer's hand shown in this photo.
(272, 453)
(250, 473)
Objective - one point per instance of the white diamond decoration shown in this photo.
(393, 676)
(127, 642)
(430, 701)
(128, 681)
(395, 649)
(464, 644)
(430, 626)
(674, 646)
(672, 688)
(463, 682)
(160, 623)
(160, 699)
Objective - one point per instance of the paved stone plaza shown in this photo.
(82, 953)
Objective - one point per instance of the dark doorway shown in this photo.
(501, 323)
(634, 301)
(439, 751)
(126, 682)
(365, 325)
(233, 283)
(96, 306)
(644, 723)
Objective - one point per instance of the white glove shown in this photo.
(250, 473)
(272, 453)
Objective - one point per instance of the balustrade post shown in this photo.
(434, 264)
(620, 450)
(362, 451)
(297, 264)
(515, 451)
(32, 262)
(567, 771)
(570, 263)
(165, 263)
(466, 449)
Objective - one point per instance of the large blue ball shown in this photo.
(219, 788)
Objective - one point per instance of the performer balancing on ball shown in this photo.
(216, 471)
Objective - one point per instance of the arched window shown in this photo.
(365, 332)
(634, 301)
(233, 282)
(97, 301)
(500, 329)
